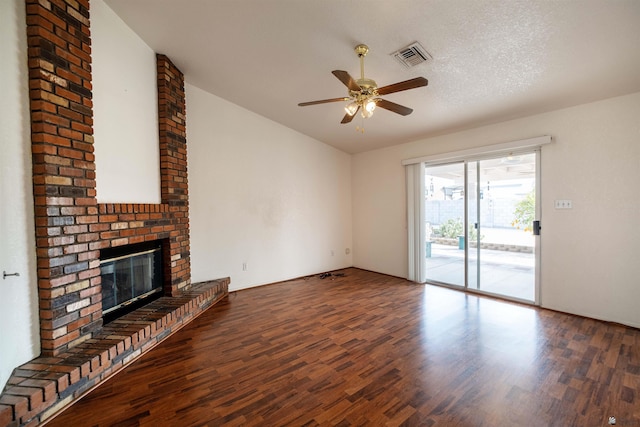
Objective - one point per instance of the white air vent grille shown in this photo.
(412, 55)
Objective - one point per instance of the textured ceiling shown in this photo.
(492, 60)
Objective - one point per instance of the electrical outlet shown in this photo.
(563, 204)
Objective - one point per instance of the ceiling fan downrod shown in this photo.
(367, 86)
(361, 51)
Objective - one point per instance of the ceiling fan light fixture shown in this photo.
(366, 113)
(370, 105)
(351, 108)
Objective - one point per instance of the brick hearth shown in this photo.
(39, 389)
(71, 227)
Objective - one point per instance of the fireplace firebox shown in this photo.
(131, 277)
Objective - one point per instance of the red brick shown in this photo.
(81, 53)
(6, 415)
(99, 245)
(33, 394)
(67, 75)
(40, 148)
(74, 116)
(99, 227)
(63, 280)
(73, 172)
(70, 153)
(75, 229)
(136, 239)
(48, 387)
(79, 323)
(87, 274)
(84, 201)
(20, 404)
(50, 118)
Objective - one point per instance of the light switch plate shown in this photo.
(563, 204)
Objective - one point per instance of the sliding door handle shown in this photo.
(536, 228)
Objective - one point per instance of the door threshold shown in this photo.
(483, 293)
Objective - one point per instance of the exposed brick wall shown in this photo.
(174, 188)
(71, 226)
(78, 352)
(59, 49)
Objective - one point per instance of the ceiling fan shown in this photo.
(364, 93)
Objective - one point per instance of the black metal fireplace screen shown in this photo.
(131, 277)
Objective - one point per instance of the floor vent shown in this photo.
(412, 55)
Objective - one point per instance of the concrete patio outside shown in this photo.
(507, 273)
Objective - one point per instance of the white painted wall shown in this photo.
(19, 322)
(590, 262)
(125, 102)
(263, 194)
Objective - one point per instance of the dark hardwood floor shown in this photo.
(368, 349)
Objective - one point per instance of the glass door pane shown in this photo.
(445, 214)
(506, 257)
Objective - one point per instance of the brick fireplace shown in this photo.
(71, 227)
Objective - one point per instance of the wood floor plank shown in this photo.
(369, 349)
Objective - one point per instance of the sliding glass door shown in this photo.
(506, 244)
(444, 214)
(479, 219)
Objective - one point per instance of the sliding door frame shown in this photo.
(416, 246)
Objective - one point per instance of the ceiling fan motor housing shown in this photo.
(367, 84)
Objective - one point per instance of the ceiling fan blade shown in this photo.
(347, 118)
(392, 106)
(323, 101)
(405, 85)
(345, 78)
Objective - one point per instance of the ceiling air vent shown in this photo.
(412, 55)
